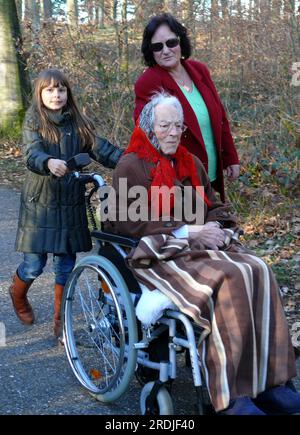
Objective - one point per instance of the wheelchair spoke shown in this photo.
(96, 328)
(94, 324)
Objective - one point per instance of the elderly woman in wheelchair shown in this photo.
(182, 251)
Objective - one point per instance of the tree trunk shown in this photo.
(46, 10)
(239, 8)
(100, 14)
(31, 14)
(214, 11)
(276, 8)
(225, 11)
(90, 7)
(265, 9)
(125, 41)
(12, 72)
(19, 6)
(189, 19)
(256, 9)
(289, 7)
(72, 12)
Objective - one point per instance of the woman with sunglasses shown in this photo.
(166, 49)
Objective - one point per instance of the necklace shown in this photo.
(188, 86)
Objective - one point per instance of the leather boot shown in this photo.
(58, 292)
(18, 293)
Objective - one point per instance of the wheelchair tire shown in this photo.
(163, 405)
(99, 327)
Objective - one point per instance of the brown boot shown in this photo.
(18, 293)
(58, 292)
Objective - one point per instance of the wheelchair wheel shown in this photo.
(163, 404)
(99, 327)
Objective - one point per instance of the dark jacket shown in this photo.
(156, 78)
(52, 214)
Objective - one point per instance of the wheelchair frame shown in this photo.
(100, 329)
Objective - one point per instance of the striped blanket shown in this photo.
(245, 345)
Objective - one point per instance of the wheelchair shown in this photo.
(106, 344)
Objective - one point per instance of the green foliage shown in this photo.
(12, 130)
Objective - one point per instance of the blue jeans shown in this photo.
(33, 266)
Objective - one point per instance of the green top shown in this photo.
(199, 107)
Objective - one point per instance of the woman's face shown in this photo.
(167, 128)
(54, 97)
(168, 58)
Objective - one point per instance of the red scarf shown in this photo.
(164, 173)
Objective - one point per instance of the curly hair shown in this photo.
(175, 27)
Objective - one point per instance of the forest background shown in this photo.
(252, 49)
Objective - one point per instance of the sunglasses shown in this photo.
(170, 43)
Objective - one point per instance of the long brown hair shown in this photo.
(47, 128)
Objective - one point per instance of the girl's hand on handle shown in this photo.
(57, 167)
(209, 234)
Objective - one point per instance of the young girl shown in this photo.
(52, 216)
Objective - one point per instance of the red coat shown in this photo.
(156, 78)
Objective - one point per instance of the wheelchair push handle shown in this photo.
(76, 163)
(90, 178)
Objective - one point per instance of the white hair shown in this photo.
(147, 116)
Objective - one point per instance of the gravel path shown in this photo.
(35, 377)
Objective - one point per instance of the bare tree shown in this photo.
(224, 7)
(289, 7)
(265, 9)
(214, 10)
(238, 7)
(46, 9)
(90, 8)
(276, 8)
(13, 84)
(100, 13)
(19, 6)
(31, 14)
(72, 12)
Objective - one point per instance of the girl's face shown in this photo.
(54, 97)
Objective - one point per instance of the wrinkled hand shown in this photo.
(232, 172)
(57, 167)
(209, 234)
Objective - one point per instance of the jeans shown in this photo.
(33, 266)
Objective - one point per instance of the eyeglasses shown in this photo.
(167, 126)
(170, 43)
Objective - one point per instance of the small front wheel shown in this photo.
(163, 404)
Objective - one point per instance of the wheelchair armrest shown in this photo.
(115, 238)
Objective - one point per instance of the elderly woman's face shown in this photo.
(168, 58)
(167, 127)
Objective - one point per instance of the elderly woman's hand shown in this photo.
(233, 172)
(209, 234)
